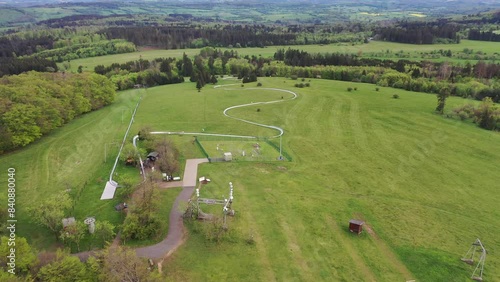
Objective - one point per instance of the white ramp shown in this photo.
(109, 190)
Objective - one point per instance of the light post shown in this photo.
(281, 155)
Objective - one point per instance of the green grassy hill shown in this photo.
(424, 184)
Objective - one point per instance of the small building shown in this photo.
(228, 156)
(153, 156)
(356, 226)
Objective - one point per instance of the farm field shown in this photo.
(88, 64)
(424, 184)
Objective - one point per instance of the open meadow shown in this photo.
(424, 184)
(372, 47)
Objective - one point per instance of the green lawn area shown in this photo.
(88, 64)
(424, 184)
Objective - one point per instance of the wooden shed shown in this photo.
(356, 226)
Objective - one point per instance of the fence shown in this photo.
(241, 149)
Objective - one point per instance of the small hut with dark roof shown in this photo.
(356, 226)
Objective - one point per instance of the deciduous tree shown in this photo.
(25, 255)
(442, 96)
(65, 268)
(122, 264)
(51, 211)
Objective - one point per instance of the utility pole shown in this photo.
(281, 155)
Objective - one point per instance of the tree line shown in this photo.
(33, 104)
(296, 57)
(179, 37)
(85, 50)
(476, 34)
(141, 73)
(420, 33)
(10, 66)
(427, 69)
(14, 45)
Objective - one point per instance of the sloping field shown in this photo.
(425, 185)
(76, 158)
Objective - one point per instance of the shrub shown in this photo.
(355, 89)
(464, 112)
(377, 89)
(308, 84)
(349, 89)
(395, 96)
(258, 110)
(259, 84)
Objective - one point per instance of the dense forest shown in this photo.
(16, 66)
(32, 104)
(475, 34)
(191, 37)
(420, 32)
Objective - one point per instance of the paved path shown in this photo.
(175, 235)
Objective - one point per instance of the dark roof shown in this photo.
(357, 222)
(153, 154)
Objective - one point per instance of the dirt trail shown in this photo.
(389, 254)
(358, 261)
